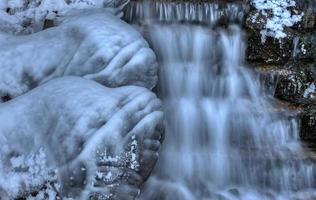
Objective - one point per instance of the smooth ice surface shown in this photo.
(92, 43)
(72, 123)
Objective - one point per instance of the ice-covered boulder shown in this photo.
(28, 16)
(91, 139)
(92, 43)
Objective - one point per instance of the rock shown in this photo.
(291, 87)
(298, 84)
(93, 44)
(306, 47)
(299, 37)
(308, 124)
(272, 51)
(309, 18)
(94, 141)
(235, 192)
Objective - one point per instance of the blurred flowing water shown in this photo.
(225, 137)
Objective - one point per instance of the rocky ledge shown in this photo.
(289, 63)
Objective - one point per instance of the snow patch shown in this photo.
(279, 13)
(134, 164)
(49, 193)
(31, 14)
(26, 173)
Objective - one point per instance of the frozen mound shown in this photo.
(91, 43)
(91, 141)
(28, 16)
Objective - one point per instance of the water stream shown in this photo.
(225, 137)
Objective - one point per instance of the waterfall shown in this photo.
(225, 137)
(202, 12)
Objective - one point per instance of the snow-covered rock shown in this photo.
(91, 43)
(276, 15)
(29, 15)
(91, 139)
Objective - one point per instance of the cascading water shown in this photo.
(201, 12)
(225, 138)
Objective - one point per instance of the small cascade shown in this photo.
(226, 138)
(188, 12)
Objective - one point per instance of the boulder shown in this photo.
(90, 140)
(94, 44)
(308, 124)
(298, 86)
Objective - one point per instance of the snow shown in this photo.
(134, 160)
(280, 18)
(53, 125)
(30, 173)
(63, 123)
(31, 14)
(93, 44)
(47, 194)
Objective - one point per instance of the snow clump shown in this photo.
(280, 14)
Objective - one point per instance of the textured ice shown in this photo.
(71, 136)
(92, 43)
(49, 131)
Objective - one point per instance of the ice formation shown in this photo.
(279, 14)
(64, 124)
(72, 137)
(92, 43)
(27, 16)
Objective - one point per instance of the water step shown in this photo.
(200, 12)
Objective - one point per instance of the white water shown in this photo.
(225, 138)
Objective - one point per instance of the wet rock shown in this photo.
(299, 37)
(305, 48)
(291, 87)
(309, 18)
(308, 124)
(272, 51)
(298, 85)
(234, 191)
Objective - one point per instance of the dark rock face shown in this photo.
(300, 41)
(297, 86)
(291, 87)
(308, 124)
(272, 51)
(309, 9)
(305, 48)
